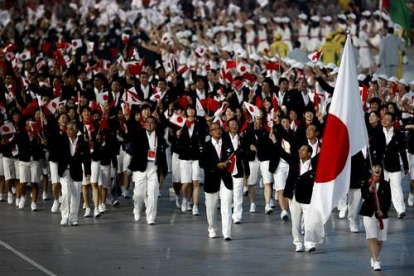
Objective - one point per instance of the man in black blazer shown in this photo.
(148, 156)
(74, 153)
(299, 186)
(394, 150)
(218, 180)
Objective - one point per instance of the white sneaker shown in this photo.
(14, 190)
(64, 221)
(60, 200)
(212, 234)
(177, 202)
(272, 203)
(33, 206)
(10, 198)
(353, 227)
(372, 263)
(284, 215)
(1, 197)
(410, 199)
(252, 207)
(184, 205)
(195, 211)
(44, 196)
(55, 206)
(88, 213)
(22, 202)
(102, 208)
(268, 209)
(376, 266)
(137, 215)
(299, 248)
(189, 206)
(17, 202)
(245, 190)
(159, 194)
(342, 214)
(96, 213)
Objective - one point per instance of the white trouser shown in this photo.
(226, 196)
(297, 211)
(146, 184)
(354, 200)
(396, 190)
(342, 206)
(237, 198)
(71, 194)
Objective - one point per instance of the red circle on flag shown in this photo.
(179, 119)
(251, 108)
(165, 38)
(75, 44)
(105, 97)
(23, 56)
(335, 150)
(6, 129)
(54, 104)
(243, 68)
(201, 50)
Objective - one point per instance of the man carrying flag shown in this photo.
(345, 135)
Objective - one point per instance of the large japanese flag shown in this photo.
(345, 135)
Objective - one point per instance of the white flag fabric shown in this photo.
(345, 135)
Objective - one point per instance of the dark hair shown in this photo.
(390, 114)
(310, 149)
(390, 30)
(297, 44)
(153, 118)
(282, 80)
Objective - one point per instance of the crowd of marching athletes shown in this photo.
(103, 106)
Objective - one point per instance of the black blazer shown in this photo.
(29, 148)
(139, 153)
(393, 151)
(278, 152)
(241, 157)
(213, 175)
(300, 186)
(81, 156)
(190, 147)
(260, 139)
(384, 197)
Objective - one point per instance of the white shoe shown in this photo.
(14, 190)
(184, 205)
(159, 194)
(44, 196)
(245, 190)
(177, 202)
(299, 248)
(268, 209)
(342, 214)
(55, 206)
(284, 215)
(372, 263)
(1, 197)
(60, 200)
(17, 202)
(376, 266)
(10, 198)
(22, 202)
(189, 207)
(311, 249)
(253, 208)
(353, 227)
(64, 221)
(88, 213)
(102, 208)
(96, 213)
(410, 199)
(272, 203)
(212, 234)
(137, 215)
(195, 211)
(33, 206)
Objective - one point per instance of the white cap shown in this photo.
(327, 18)
(263, 20)
(285, 19)
(310, 64)
(335, 71)
(227, 48)
(315, 18)
(213, 49)
(298, 65)
(393, 79)
(362, 23)
(342, 16)
(241, 53)
(377, 12)
(374, 77)
(254, 57)
(366, 13)
(412, 82)
(249, 22)
(238, 24)
(385, 16)
(277, 19)
(331, 66)
(362, 77)
(320, 64)
(352, 16)
(383, 76)
(302, 16)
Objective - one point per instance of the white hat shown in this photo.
(331, 66)
(263, 20)
(320, 64)
(277, 19)
(228, 48)
(335, 71)
(366, 13)
(342, 16)
(383, 76)
(298, 65)
(213, 49)
(327, 18)
(403, 82)
(310, 64)
(362, 77)
(249, 22)
(285, 19)
(241, 53)
(315, 18)
(302, 16)
(352, 16)
(377, 12)
(412, 82)
(238, 24)
(374, 77)
(385, 16)
(393, 79)
(254, 57)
